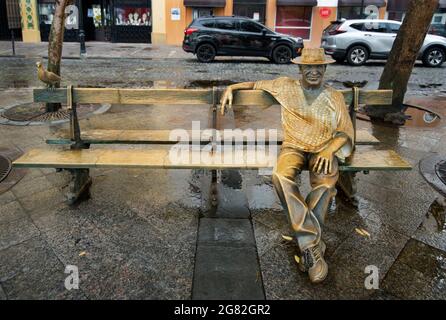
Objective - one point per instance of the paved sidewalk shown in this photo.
(96, 50)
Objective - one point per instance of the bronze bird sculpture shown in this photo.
(48, 77)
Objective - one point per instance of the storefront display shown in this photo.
(46, 15)
(132, 21)
(104, 20)
(295, 19)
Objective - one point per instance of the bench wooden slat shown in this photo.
(185, 96)
(159, 158)
(99, 136)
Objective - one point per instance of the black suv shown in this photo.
(238, 36)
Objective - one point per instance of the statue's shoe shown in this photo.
(301, 263)
(312, 261)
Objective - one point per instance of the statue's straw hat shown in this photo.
(313, 56)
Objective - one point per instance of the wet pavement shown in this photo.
(143, 231)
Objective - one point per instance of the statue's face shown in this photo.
(313, 75)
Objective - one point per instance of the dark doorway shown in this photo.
(5, 32)
(97, 20)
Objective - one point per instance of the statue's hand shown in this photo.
(324, 161)
(226, 99)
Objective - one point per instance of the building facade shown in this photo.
(300, 18)
(164, 21)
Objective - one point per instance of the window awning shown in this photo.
(357, 3)
(302, 3)
(205, 3)
(250, 2)
(397, 5)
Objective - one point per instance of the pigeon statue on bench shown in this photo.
(49, 78)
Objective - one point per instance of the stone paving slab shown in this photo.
(226, 232)
(227, 273)
(16, 231)
(2, 293)
(419, 273)
(429, 234)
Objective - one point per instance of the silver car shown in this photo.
(360, 40)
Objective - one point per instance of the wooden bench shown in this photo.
(79, 158)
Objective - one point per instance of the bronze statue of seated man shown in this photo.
(318, 134)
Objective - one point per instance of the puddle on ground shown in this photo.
(419, 118)
(438, 210)
(430, 85)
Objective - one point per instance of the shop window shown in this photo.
(396, 15)
(202, 12)
(349, 12)
(46, 12)
(131, 16)
(294, 21)
(46, 9)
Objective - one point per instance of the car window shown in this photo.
(357, 26)
(332, 26)
(380, 27)
(226, 24)
(208, 23)
(249, 26)
(393, 27)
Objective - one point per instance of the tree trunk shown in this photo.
(402, 58)
(55, 44)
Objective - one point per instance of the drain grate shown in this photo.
(53, 116)
(440, 169)
(5, 167)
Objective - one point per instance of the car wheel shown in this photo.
(357, 55)
(206, 52)
(434, 57)
(282, 54)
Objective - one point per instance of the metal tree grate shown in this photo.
(5, 167)
(440, 169)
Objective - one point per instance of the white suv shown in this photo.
(360, 40)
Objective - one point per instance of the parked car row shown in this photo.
(353, 40)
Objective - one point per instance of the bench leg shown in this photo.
(346, 187)
(79, 186)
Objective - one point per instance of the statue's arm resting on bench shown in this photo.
(226, 100)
